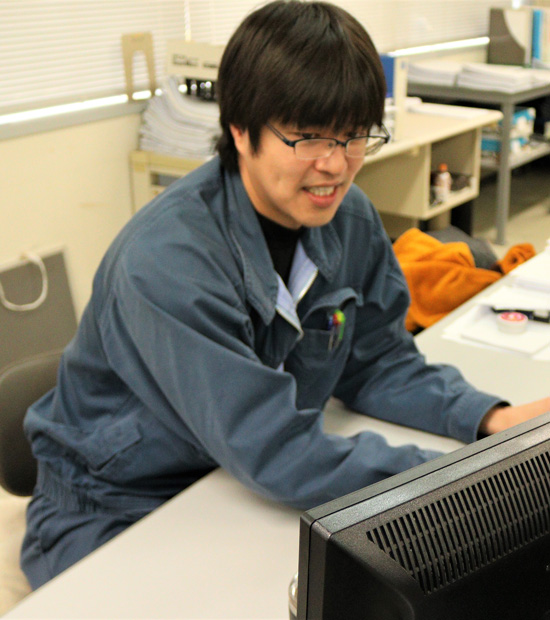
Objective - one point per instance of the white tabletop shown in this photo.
(217, 550)
(214, 551)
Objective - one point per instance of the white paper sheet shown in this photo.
(485, 330)
(516, 298)
(464, 331)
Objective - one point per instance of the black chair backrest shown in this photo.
(22, 383)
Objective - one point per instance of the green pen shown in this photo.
(337, 323)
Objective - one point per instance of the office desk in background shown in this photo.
(508, 161)
(218, 551)
(396, 179)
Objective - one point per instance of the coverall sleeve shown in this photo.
(184, 344)
(387, 377)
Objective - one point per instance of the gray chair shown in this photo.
(21, 384)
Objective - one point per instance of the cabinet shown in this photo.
(397, 179)
(151, 173)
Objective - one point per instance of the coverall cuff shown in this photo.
(467, 418)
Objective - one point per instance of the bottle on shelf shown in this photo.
(442, 182)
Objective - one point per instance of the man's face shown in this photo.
(290, 191)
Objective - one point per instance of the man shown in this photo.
(231, 308)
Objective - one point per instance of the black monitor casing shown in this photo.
(465, 536)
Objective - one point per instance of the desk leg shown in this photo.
(504, 174)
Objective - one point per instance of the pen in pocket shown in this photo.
(336, 327)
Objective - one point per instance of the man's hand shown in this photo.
(501, 418)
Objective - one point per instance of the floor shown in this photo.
(529, 219)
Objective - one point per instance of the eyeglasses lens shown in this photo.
(320, 148)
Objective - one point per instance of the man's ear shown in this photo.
(240, 137)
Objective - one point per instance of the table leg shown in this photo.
(504, 174)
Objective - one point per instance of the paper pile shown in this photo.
(477, 75)
(440, 72)
(503, 78)
(179, 125)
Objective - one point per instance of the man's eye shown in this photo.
(308, 136)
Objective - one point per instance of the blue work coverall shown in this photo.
(192, 354)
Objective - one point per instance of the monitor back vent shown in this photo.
(452, 537)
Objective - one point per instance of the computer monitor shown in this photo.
(463, 537)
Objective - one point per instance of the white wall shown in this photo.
(67, 187)
(393, 24)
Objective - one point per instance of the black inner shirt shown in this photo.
(281, 242)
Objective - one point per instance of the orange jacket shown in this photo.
(441, 276)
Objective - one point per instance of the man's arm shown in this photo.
(386, 376)
(500, 418)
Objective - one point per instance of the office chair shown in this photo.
(21, 384)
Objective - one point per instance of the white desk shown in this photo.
(216, 550)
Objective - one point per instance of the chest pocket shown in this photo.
(318, 360)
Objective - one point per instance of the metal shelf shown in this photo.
(509, 161)
(520, 159)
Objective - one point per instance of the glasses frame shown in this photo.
(384, 139)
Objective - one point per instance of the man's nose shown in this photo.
(335, 162)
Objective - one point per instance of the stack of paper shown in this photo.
(477, 75)
(502, 78)
(437, 72)
(180, 125)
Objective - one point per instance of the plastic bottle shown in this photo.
(442, 183)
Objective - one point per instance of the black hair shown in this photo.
(310, 64)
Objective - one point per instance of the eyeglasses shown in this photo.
(319, 148)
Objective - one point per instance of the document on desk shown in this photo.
(534, 274)
(452, 111)
(527, 290)
(478, 327)
(517, 298)
(483, 328)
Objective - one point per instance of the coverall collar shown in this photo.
(321, 244)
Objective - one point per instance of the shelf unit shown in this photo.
(508, 161)
(535, 151)
(397, 179)
(151, 173)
